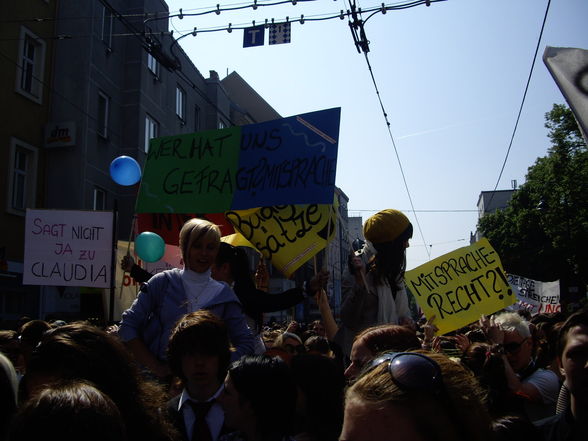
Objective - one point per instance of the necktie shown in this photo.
(200, 431)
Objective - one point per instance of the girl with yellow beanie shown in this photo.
(374, 293)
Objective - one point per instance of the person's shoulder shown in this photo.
(548, 421)
(173, 403)
(550, 427)
(225, 292)
(545, 374)
(162, 280)
(171, 275)
(232, 436)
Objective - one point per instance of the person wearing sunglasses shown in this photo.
(572, 348)
(372, 341)
(285, 346)
(415, 396)
(538, 388)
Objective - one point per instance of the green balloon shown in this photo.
(149, 246)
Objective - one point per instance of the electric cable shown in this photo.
(396, 152)
(522, 103)
(341, 15)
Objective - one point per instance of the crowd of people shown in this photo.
(191, 360)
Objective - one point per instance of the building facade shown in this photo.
(489, 202)
(26, 63)
(85, 82)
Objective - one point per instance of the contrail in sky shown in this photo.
(452, 126)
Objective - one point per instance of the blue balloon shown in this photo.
(149, 246)
(124, 170)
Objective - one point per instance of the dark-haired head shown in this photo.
(200, 332)
(69, 412)
(321, 382)
(83, 352)
(579, 318)
(232, 265)
(389, 263)
(267, 385)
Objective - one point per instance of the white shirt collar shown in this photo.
(185, 396)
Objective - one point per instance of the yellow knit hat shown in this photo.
(385, 226)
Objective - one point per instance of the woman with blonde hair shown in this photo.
(415, 396)
(169, 295)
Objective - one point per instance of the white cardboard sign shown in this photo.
(68, 248)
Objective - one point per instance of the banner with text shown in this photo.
(286, 161)
(534, 296)
(287, 235)
(68, 248)
(460, 286)
(168, 225)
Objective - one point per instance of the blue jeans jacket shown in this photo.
(162, 301)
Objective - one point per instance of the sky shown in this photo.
(451, 78)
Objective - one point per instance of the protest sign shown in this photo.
(168, 225)
(534, 296)
(68, 248)
(285, 161)
(461, 286)
(287, 235)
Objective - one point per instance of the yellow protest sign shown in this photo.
(287, 235)
(460, 286)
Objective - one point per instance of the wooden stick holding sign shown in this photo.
(133, 222)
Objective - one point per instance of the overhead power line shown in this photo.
(161, 15)
(356, 25)
(218, 10)
(522, 102)
(341, 15)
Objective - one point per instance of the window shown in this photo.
(103, 105)
(23, 177)
(99, 202)
(151, 131)
(106, 34)
(196, 118)
(153, 65)
(221, 124)
(180, 103)
(31, 65)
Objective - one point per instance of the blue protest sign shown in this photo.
(291, 160)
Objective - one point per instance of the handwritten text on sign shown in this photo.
(461, 286)
(288, 235)
(289, 160)
(68, 248)
(534, 296)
